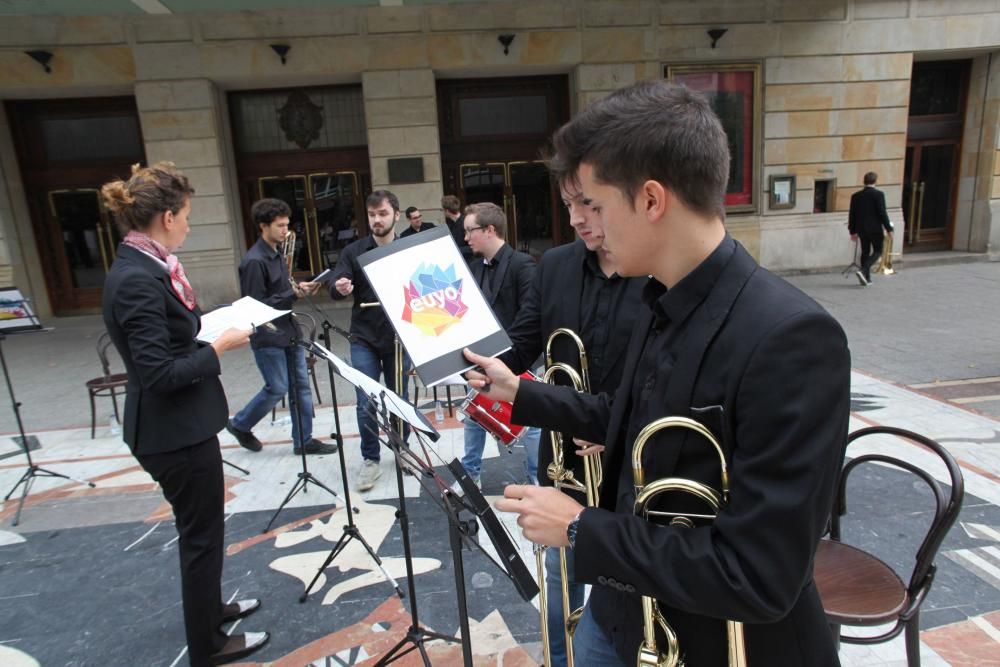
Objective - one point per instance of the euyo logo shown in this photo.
(432, 300)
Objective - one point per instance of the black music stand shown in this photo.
(461, 531)
(853, 267)
(350, 530)
(304, 478)
(24, 321)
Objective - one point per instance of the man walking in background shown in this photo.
(454, 218)
(865, 222)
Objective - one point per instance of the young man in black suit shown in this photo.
(417, 224)
(372, 338)
(575, 287)
(865, 222)
(504, 275)
(723, 342)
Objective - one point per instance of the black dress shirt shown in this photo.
(264, 276)
(600, 303)
(671, 309)
(368, 325)
(409, 231)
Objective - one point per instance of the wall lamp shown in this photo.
(42, 58)
(282, 51)
(716, 34)
(506, 40)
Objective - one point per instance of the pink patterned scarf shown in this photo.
(178, 280)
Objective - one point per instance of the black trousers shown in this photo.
(191, 479)
(871, 250)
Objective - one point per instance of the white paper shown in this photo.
(245, 314)
(390, 276)
(396, 404)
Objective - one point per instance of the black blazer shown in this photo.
(554, 302)
(867, 215)
(174, 398)
(509, 284)
(779, 366)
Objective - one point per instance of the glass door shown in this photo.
(524, 190)
(929, 193)
(335, 214)
(324, 215)
(81, 245)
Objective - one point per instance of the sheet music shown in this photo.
(396, 404)
(247, 313)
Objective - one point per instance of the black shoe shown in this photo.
(246, 440)
(314, 446)
(239, 646)
(239, 609)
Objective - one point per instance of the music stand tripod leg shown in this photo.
(416, 635)
(33, 470)
(304, 477)
(350, 531)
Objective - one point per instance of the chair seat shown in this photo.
(113, 380)
(856, 588)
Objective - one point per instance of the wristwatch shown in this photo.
(571, 530)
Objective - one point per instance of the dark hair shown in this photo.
(376, 198)
(410, 210)
(653, 130)
(451, 204)
(870, 178)
(488, 213)
(266, 211)
(150, 191)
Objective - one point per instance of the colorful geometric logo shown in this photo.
(432, 301)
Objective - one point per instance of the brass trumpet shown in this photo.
(563, 478)
(650, 655)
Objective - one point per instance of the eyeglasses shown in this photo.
(417, 217)
(469, 230)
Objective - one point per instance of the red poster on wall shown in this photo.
(732, 92)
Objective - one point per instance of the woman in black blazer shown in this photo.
(175, 404)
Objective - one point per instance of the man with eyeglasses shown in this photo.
(504, 276)
(416, 221)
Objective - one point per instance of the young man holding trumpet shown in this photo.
(264, 275)
(729, 346)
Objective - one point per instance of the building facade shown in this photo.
(319, 103)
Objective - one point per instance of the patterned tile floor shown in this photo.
(77, 575)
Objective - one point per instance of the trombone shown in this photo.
(650, 655)
(564, 478)
(288, 254)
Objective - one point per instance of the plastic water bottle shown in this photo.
(438, 412)
(284, 420)
(114, 426)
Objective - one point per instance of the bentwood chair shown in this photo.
(859, 589)
(108, 384)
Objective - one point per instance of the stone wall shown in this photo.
(181, 123)
(835, 82)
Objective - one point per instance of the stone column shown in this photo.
(181, 122)
(401, 115)
(980, 183)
